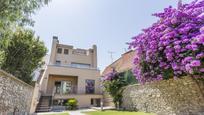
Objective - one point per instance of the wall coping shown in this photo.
(13, 77)
(149, 83)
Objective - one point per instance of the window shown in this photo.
(80, 65)
(90, 86)
(92, 101)
(63, 87)
(66, 51)
(59, 50)
(58, 62)
(79, 51)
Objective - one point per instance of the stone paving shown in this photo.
(77, 112)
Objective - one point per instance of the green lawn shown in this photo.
(56, 114)
(116, 113)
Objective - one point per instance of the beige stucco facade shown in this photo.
(70, 73)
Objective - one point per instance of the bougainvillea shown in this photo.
(173, 46)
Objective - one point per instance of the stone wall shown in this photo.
(168, 97)
(15, 95)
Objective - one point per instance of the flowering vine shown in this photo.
(173, 46)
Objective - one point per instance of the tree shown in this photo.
(23, 54)
(15, 13)
(114, 83)
(18, 12)
(173, 46)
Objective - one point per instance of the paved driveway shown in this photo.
(76, 112)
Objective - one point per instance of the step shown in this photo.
(43, 110)
(39, 108)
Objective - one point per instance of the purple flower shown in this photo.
(200, 55)
(187, 59)
(202, 30)
(195, 63)
(194, 47)
(177, 47)
(200, 39)
(202, 70)
(175, 41)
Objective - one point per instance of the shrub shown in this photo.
(114, 82)
(173, 46)
(71, 104)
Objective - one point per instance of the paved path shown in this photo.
(76, 112)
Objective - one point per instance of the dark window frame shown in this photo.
(58, 62)
(59, 50)
(66, 51)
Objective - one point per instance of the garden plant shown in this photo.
(173, 46)
(71, 104)
(114, 82)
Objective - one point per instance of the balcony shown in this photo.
(65, 91)
(73, 66)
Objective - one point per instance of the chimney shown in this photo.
(94, 56)
(55, 41)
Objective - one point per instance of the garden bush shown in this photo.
(71, 104)
(114, 82)
(173, 46)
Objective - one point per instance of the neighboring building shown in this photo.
(70, 73)
(124, 63)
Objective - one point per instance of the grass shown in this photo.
(56, 114)
(112, 112)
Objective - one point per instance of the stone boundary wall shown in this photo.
(15, 95)
(167, 97)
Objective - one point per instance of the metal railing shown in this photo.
(72, 66)
(73, 90)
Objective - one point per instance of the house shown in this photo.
(124, 63)
(70, 73)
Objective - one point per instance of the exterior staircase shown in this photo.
(44, 104)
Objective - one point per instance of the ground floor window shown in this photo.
(63, 87)
(92, 101)
(96, 102)
(90, 86)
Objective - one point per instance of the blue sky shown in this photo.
(107, 23)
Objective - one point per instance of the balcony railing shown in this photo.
(72, 66)
(70, 90)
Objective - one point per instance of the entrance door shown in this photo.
(58, 87)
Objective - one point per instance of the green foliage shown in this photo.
(129, 77)
(71, 104)
(18, 12)
(20, 52)
(168, 73)
(14, 13)
(23, 54)
(116, 84)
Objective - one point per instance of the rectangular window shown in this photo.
(66, 87)
(63, 87)
(80, 65)
(90, 86)
(58, 62)
(59, 50)
(66, 51)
